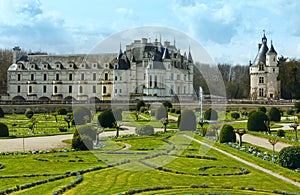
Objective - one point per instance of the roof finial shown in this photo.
(120, 48)
(190, 58)
(174, 42)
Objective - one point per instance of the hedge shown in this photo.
(107, 119)
(227, 134)
(4, 132)
(289, 157)
(256, 121)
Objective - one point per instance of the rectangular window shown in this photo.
(70, 77)
(82, 76)
(261, 80)
(172, 76)
(19, 77)
(94, 89)
(19, 89)
(44, 89)
(57, 77)
(261, 92)
(120, 90)
(150, 83)
(116, 78)
(32, 77)
(116, 91)
(106, 76)
(70, 89)
(45, 77)
(94, 76)
(120, 78)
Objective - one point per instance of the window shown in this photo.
(171, 90)
(261, 80)
(94, 76)
(106, 76)
(57, 76)
(261, 92)
(19, 89)
(144, 76)
(120, 78)
(32, 77)
(155, 81)
(55, 89)
(120, 90)
(178, 77)
(70, 77)
(104, 89)
(184, 90)
(116, 91)
(261, 67)
(150, 82)
(94, 89)
(19, 77)
(80, 89)
(30, 89)
(82, 76)
(273, 69)
(178, 90)
(70, 89)
(44, 89)
(45, 77)
(116, 78)
(172, 77)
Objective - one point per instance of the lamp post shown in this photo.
(273, 141)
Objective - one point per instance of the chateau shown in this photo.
(146, 70)
(264, 71)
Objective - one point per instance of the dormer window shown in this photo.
(45, 66)
(32, 66)
(261, 67)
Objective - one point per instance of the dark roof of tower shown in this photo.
(261, 56)
(166, 54)
(190, 59)
(272, 50)
(123, 61)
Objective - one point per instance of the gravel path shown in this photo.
(263, 142)
(246, 162)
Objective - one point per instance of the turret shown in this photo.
(271, 56)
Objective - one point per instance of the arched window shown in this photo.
(104, 89)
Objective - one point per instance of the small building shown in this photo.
(264, 72)
(149, 71)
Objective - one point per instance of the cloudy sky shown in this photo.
(229, 30)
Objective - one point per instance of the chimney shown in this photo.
(16, 54)
(259, 46)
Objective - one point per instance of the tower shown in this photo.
(16, 54)
(264, 71)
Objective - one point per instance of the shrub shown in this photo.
(251, 112)
(1, 113)
(256, 121)
(143, 109)
(210, 114)
(82, 142)
(117, 114)
(140, 104)
(280, 133)
(227, 134)
(160, 113)
(167, 104)
(290, 112)
(144, 130)
(82, 115)
(178, 111)
(29, 113)
(106, 119)
(274, 114)
(297, 107)
(87, 130)
(187, 121)
(61, 111)
(235, 115)
(289, 157)
(262, 109)
(4, 132)
(172, 110)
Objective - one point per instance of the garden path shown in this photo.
(246, 162)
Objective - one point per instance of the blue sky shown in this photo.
(229, 30)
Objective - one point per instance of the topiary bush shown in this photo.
(144, 130)
(167, 104)
(256, 121)
(82, 115)
(107, 119)
(290, 111)
(251, 112)
(172, 110)
(210, 114)
(187, 121)
(274, 114)
(4, 132)
(235, 115)
(1, 113)
(29, 113)
(140, 104)
(297, 107)
(61, 111)
(161, 112)
(178, 111)
(280, 133)
(262, 109)
(289, 157)
(227, 134)
(117, 114)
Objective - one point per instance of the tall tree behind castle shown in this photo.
(5, 62)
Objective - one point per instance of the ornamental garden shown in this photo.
(166, 150)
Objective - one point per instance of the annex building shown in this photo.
(264, 71)
(145, 70)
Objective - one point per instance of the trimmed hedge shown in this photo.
(80, 115)
(256, 121)
(140, 104)
(107, 119)
(144, 130)
(210, 114)
(262, 109)
(4, 132)
(1, 113)
(289, 157)
(187, 121)
(167, 104)
(61, 111)
(297, 107)
(274, 114)
(280, 133)
(235, 115)
(227, 134)
(29, 113)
